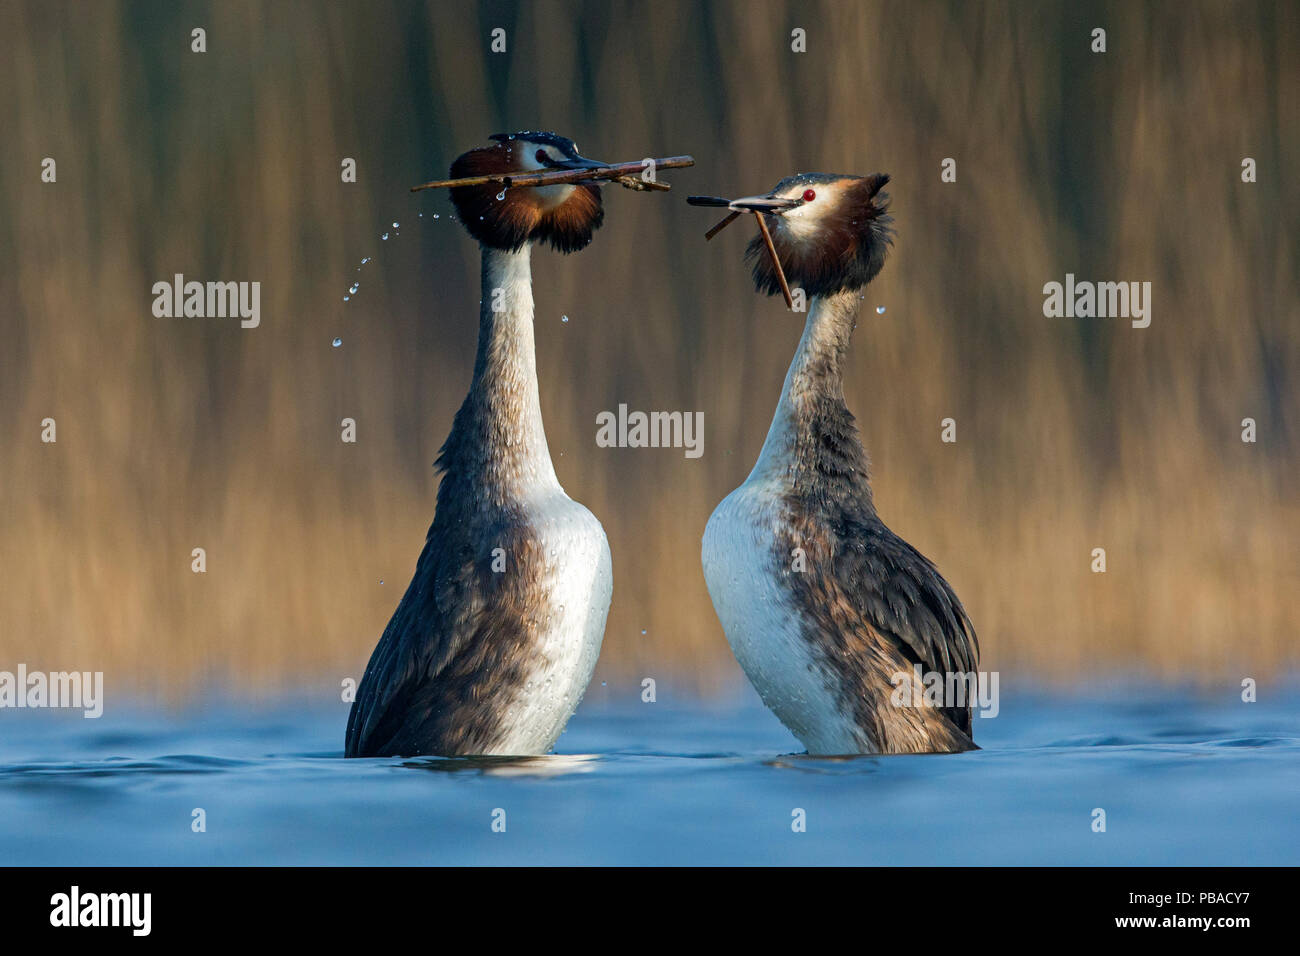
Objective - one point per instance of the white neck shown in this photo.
(505, 371)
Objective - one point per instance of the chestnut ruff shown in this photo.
(522, 214)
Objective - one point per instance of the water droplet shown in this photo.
(603, 684)
(353, 288)
(880, 310)
(384, 236)
(346, 298)
(396, 226)
(365, 260)
(422, 216)
(435, 215)
(643, 630)
(564, 318)
(338, 342)
(501, 195)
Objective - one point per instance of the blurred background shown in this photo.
(1072, 434)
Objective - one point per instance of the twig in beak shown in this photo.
(731, 217)
(640, 185)
(555, 177)
(771, 251)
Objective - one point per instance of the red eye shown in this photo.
(809, 195)
(542, 157)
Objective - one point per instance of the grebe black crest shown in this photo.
(828, 611)
(496, 637)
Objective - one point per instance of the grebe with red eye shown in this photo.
(825, 608)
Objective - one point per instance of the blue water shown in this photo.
(1184, 778)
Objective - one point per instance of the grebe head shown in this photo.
(830, 232)
(564, 215)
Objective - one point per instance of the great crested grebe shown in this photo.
(496, 637)
(826, 609)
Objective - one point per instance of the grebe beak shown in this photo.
(578, 163)
(767, 204)
(755, 204)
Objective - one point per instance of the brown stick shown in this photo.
(637, 184)
(731, 217)
(555, 177)
(771, 251)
